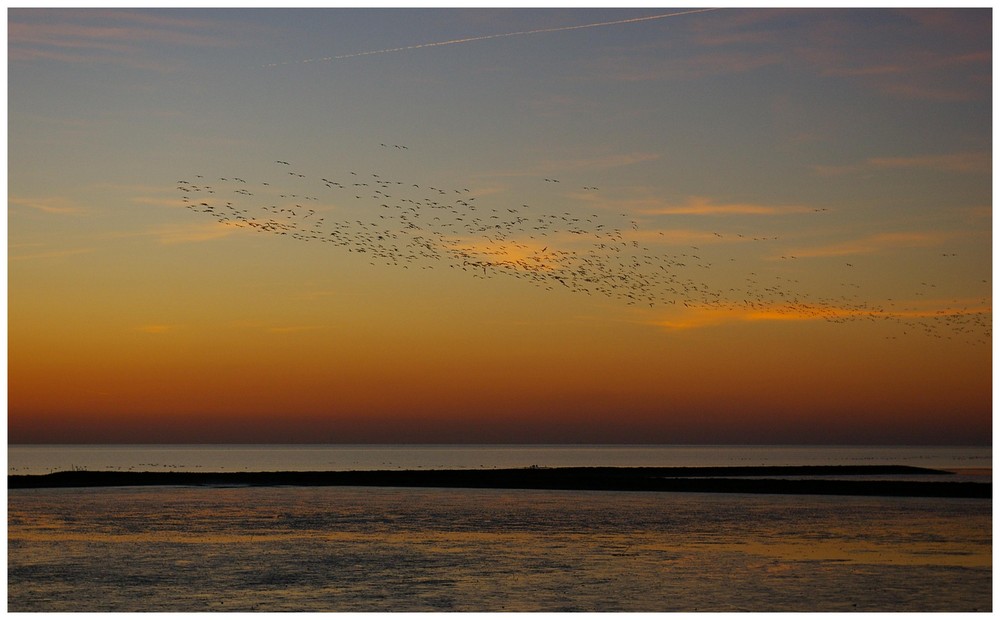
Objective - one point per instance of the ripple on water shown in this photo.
(357, 549)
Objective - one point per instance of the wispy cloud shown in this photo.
(700, 205)
(934, 56)
(674, 236)
(192, 233)
(50, 204)
(119, 37)
(701, 317)
(727, 42)
(159, 202)
(875, 243)
(704, 317)
(169, 234)
(917, 74)
(710, 64)
(973, 162)
(943, 57)
(49, 254)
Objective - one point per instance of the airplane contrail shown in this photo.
(491, 36)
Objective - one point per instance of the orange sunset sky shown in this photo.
(649, 225)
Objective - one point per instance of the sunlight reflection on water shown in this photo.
(363, 549)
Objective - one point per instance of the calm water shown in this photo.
(368, 549)
(359, 549)
(45, 459)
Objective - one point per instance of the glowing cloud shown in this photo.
(700, 317)
(697, 205)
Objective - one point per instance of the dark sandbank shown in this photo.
(805, 480)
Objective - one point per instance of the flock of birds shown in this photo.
(414, 225)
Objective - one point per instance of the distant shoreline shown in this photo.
(804, 480)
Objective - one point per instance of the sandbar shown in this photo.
(867, 480)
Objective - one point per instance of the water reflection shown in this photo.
(354, 549)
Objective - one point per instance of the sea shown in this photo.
(362, 549)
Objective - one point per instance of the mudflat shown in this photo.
(802, 480)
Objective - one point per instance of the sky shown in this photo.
(506, 225)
